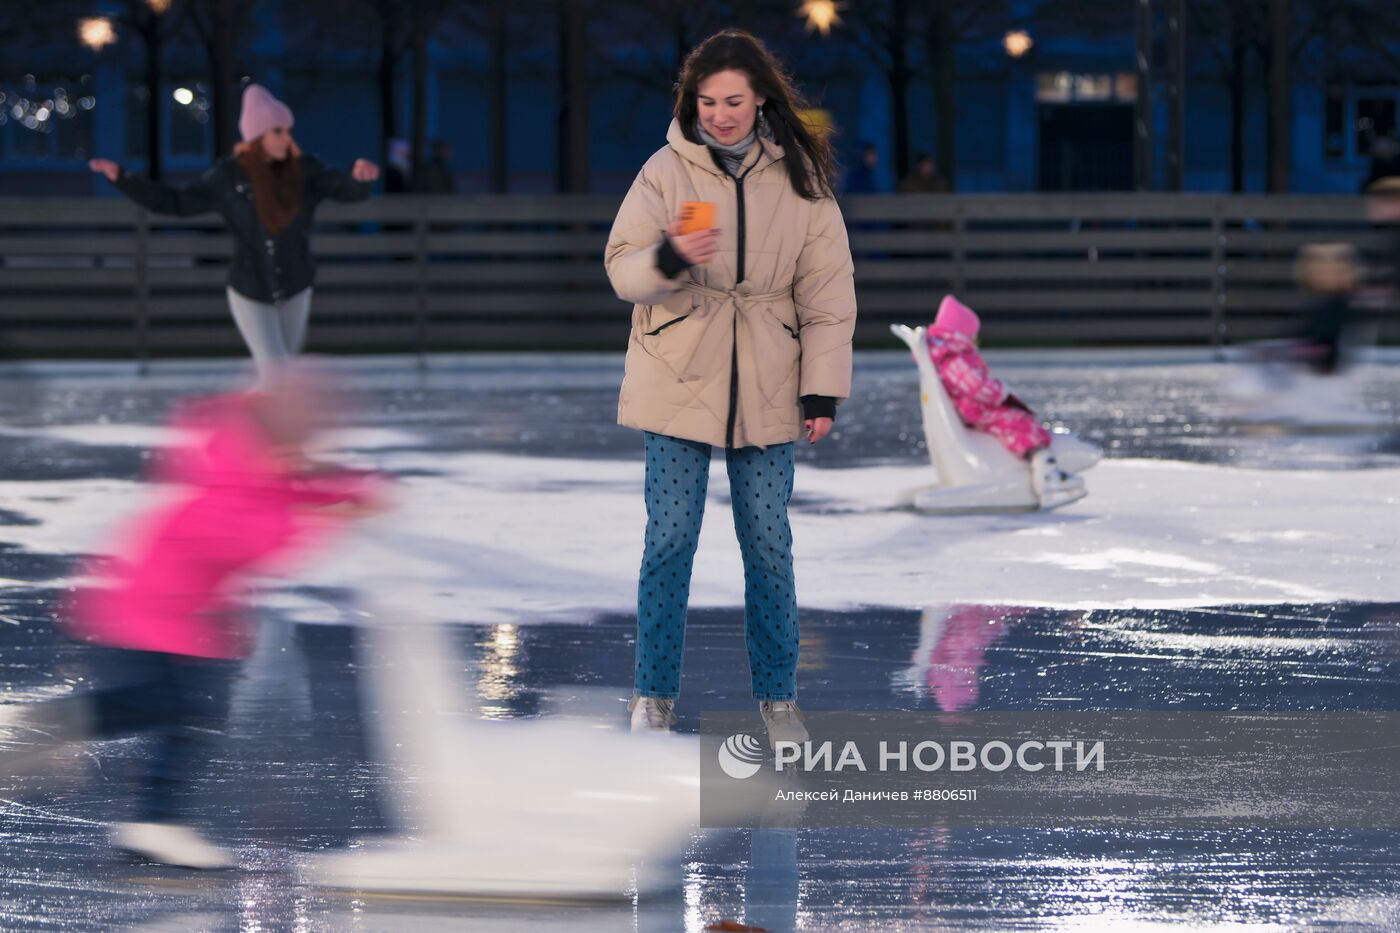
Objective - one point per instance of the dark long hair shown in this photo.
(810, 165)
(277, 186)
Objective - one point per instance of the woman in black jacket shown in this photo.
(267, 192)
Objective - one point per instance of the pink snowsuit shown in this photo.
(238, 510)
(982, 401)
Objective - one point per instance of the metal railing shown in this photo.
(100, 277)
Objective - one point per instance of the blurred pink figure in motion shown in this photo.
(245, 499)
(249, 500)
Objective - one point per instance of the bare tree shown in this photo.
(325, 29)
(1251, 38)
(499, 23)
(882, 31)
(573, 156)
(221, 26)
(155, 23)
(651, 39)
(946, 25)
(498, 38)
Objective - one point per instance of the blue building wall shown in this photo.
(998, 144)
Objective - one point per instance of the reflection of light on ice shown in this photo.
(497, 671)
(1255, 646)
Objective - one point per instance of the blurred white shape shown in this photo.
(1272, 390)
(538, 808)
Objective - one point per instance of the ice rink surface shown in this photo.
(1212, 567)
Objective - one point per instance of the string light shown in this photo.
(96, 32)
(1017, 43)
(821, 15)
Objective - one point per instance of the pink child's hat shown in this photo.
(954, 317)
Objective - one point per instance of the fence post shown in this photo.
(141, 262)
(960, 247)
(420, 259)
(1218, 295)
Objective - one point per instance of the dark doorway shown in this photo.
(1086, 147)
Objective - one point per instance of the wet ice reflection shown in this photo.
(1341, 656)
(303, 777)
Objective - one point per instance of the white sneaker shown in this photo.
(1045, 472)
(652, 714)
(784, 721)
(170, 844)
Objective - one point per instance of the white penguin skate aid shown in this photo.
(508, 810)
(975, 472)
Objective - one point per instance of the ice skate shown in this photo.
(170, 844)
(1053, 486)
(784, 722)
(652, 714)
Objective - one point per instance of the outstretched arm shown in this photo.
(198, 197)
(345, 186)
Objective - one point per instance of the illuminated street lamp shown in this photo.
(96, 32)
(158, 6)
(821, 14)
(1017, 43)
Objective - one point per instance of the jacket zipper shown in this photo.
(734, 343)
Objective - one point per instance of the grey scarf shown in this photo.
(733, 154)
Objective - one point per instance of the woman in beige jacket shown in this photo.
(741, 338)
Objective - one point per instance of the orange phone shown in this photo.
(697, 216)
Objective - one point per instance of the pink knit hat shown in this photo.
(954, 317)
(261, 112)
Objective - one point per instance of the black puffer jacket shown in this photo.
(266, 267)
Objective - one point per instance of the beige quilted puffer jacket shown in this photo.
(722, 353)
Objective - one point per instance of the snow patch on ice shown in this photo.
(496, 538)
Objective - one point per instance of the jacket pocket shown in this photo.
(675, 320)
(658, 317)
(784, 314)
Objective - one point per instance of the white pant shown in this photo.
(274, 333)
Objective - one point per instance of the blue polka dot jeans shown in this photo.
(677, 480)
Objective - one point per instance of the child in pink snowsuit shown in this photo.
(245, 503)
(244, 499)
(982, 401)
